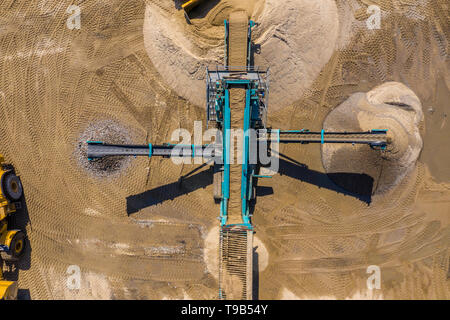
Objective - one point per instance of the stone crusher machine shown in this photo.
(236, 98)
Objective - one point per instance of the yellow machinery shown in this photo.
(8, 289)
(12, 241)
(189, 5)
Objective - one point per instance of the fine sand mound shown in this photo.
(360, 169)
(181, 52)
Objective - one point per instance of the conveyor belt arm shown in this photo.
(374, 138)
(98, 149)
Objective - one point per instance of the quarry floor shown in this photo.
(138, 235)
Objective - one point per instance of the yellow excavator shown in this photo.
(12, 241)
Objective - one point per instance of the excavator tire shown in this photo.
(11, 186)
(16, 248)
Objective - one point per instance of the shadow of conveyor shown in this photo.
(255, 289)
(185, 185)
(19, 220)
(357, 185)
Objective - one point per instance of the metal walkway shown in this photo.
(236, 263)
(374, 138)
(98, 149)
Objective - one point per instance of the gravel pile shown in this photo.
(107, 131)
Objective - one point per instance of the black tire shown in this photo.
(11, 186)
(16, 248)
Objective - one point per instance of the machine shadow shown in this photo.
(178, 4)
(356, 185)
(201, 10)
(23, 294)
(255, 49)
(255, 289)
(169, 191)
(262, 191)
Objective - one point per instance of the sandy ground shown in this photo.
(137, 234)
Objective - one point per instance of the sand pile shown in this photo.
(180, 51)
(390, 106)
(215, 12)
(106, 131)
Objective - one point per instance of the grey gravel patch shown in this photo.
(108, 131)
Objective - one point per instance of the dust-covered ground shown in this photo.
(137, 233)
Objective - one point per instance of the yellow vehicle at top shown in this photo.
(12, 241)
(188, 6)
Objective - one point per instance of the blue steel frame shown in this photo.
(223, 116)
(248, 169)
